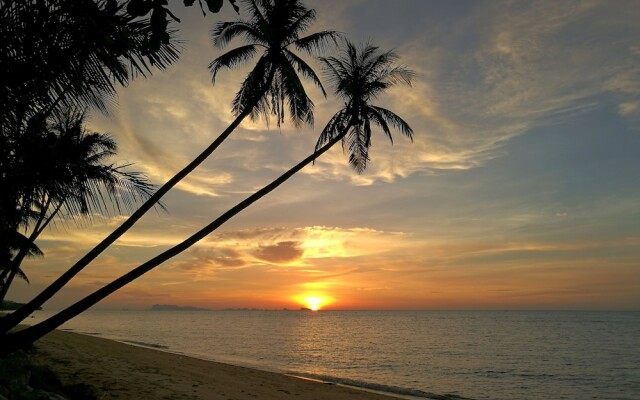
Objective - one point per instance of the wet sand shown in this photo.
(123, 371)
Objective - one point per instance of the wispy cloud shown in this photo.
(499, 74)
(522, 174)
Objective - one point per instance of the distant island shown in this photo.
(173, 307)
(9, 305)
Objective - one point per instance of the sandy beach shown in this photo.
(123, 371)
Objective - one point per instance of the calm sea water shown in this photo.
(480, 355)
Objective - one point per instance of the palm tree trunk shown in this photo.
(41, 224)
(14, 265)
(11, 320)
(13, 341)
(3, 276)
(12, 270)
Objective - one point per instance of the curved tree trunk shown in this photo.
(14, 265)
(3, 278)
(13, 341)
(12, 271)
(11, 320)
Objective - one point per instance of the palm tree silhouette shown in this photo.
(59, 169)
(358, 76)
(71, 53)
(275, 26)
(14, 244)
(59, 55)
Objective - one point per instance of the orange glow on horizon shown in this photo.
(314, 302)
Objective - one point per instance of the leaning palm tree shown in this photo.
(60, 170)
(359, 76)
(275, 28)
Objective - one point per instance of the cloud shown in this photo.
(501, 71)
(497, 74)
(94, 234)
(486, 75)
(629, 108)
(213, 258)
(280, 253)
(268, 234)
(312, 249)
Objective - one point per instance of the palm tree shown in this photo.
(275, 27)
(13, 242)
(59, 169)
(62, 53)
(358, 76)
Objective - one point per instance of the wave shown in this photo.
(376, 387)
(145, 344)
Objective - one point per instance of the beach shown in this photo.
(123, 371)
(478, 355)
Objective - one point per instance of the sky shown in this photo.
(521, 189)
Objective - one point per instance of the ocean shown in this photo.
(497, 355)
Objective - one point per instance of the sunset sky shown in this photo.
(521, 189)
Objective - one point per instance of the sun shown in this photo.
(313, 302)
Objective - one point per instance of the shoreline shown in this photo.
(388, 391)
(391, 391)
(120, 370)
(510, 376)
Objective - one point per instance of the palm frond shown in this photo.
(273, 86)
(380, 120)
(337, 72)
(255, 10)
(357, 146)
(358, 75)
(231, 59)
(336, 125)
(395, 120)
(304, 69)
(224, 32)
(400, 75)
(300, 105)
(300, 23)
(317, 42)
(15, 241)
(253, 88)
(84, 49)
(20, 274)
(60, 161)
